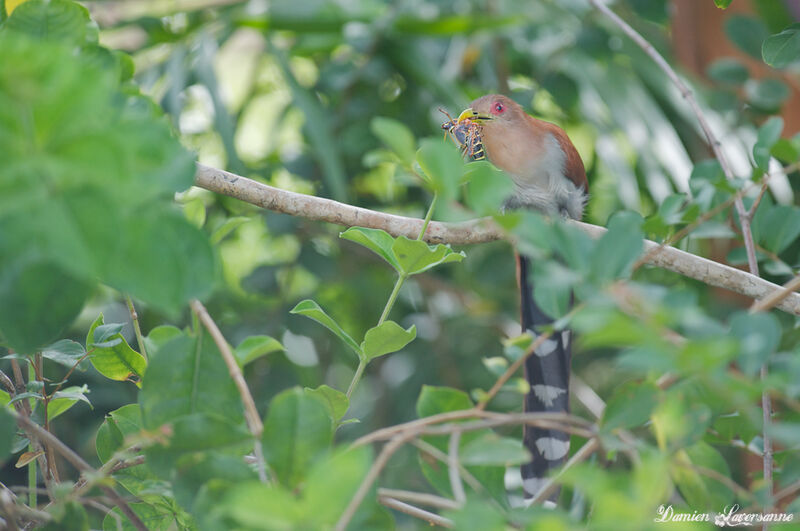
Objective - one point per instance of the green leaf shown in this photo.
(118, 425)
(297, 431)
(491, 449)
(58, 20)
(768, 134)
(781, 227)
(767, 94)
(728, 71)
(759, 335)
(195, 437)
(442, 163)
(312, 310)
(38, 301)
(386, 338)
(185, 268)
(226, 228)
(416, 256)
(553, 287)
(111, 355)
(88, 194)
(376, 240)
(747, 33)
(434, 400)
(254, 347)
(618, 249)
(782, 49)
(8, 427)
(156, 517)
(488, 188)
(396, 136)
(335, 401)
(331, 484)
(62, 400)
(478, 513)
(158, 336)
(697, 489)
(722, 4)
(630, 405)
(187, 375)
(263, 507)
(64, 352)
(69, 516)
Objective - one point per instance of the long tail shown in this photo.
(547, 372)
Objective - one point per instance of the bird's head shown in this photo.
(493, 110)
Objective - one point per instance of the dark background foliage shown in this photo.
(288, 93)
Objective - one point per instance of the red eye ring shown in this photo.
(498, 108)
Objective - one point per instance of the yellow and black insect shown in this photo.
(466, 134)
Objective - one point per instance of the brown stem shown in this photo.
(416, 512)
(250, 411)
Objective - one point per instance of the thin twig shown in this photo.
(471, 480)
(452, 468)
(250, 411)
(421, 426)
(514, 367)
(529, 419)
(771, 300)
(582, 454)
(416, 512)
(24, 409)
(78, 462)
(423, 498)
(388, 450)
(8, 384)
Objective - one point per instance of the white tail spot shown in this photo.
(547, 393)
(547, 347)
(565, 338)
(532, 486)
(552, 448)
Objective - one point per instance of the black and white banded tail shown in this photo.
(547, 371)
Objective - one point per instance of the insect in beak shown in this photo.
(466, 134)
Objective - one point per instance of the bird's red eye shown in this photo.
(498, 108)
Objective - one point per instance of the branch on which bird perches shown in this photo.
(475, 231)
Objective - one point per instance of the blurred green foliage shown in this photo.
(99, 117)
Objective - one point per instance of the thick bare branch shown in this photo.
(471, 232)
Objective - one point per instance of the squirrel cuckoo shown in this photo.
(549, 177)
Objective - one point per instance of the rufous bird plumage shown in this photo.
(549, 176)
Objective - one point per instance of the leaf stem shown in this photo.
(401, 278)
(362, 364)
(136, 328)
(393, 297)
(428, 216)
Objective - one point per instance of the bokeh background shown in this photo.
(284, 92)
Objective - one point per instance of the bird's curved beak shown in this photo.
(470, 114)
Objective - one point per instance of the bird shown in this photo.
(549, 177)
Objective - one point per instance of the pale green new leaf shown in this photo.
(111, 355)
(312, 310)
(376, 240)
(415, 256)
(386, 338)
